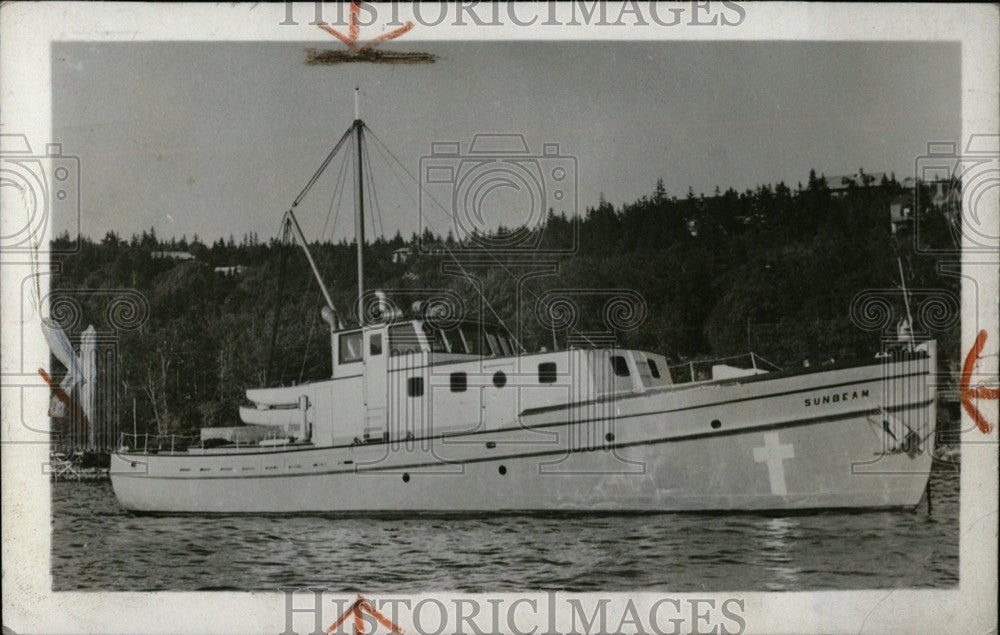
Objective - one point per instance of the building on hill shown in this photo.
(901, 212)
(839, 185)
(173, 255)
(401, 255)
(939, 190)
(230, 270)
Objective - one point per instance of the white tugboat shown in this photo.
(422, 416)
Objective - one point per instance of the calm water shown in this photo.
(98, 546)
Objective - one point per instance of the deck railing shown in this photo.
(701, 369)
(174, 443)
(169, 443)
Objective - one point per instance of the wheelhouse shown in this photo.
(469, 339)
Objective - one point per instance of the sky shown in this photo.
(217, 139)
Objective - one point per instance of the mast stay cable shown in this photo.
(335, 200)
(449, 252)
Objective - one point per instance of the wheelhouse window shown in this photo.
(473, 338)
(470, 338)
(619, 366)
(653, 368)
(500, 343)
(375, 344)
(446, 340)
(403, 339)
(547, 373)
(491, 338)
(415, 386)
(439, 344)
(504, 345)
(459, 382)
(349, 349)
(453, 339)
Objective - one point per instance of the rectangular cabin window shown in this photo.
(375, 344)
(653, 369)
(350, 349)
(403, 339)
(415, 386)
(619, 365)
(547, 373)
(459, 382)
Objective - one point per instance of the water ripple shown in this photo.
(96, 546)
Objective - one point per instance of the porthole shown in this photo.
(406, 477)
(716, 424)
(499, 379)
(609, 437)
(502, 469)
(490, 445)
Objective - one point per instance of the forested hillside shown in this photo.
(773, 270)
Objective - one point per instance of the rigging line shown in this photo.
(371, 190)
(448, 251)
(334, 202)
(387, 151)
(305, 354)
(487, 252)
(326, 162)
(277, 306)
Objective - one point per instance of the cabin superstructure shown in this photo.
(393, 376)
(392, 379)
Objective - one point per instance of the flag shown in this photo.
(62, 349)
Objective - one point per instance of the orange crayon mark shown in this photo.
(391, 35)
(361, 605)
(354, 29)
(969, 394)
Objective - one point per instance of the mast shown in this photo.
(359, 203)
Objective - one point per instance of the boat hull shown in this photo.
(851, 438)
